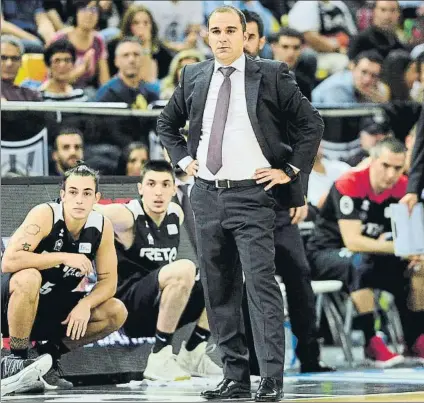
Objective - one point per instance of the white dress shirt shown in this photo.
(241, 153)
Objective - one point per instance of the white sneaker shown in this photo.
(198, 362)
(163, 366)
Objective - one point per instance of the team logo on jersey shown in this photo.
(346, 205)
(58, 245)
(365, 205)
(84, 247)
(61, 232)
(172, 229)
(150, 239)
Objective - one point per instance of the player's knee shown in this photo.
(117, 314)
(187, 274)
(27, 282)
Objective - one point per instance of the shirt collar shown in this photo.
(239, 64)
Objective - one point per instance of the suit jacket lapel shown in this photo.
(252, 82)
(200, 93)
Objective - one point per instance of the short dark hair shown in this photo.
(65, 131)
(290, 32)
(390, 143)
(157, 166)
(374, 4)
(76, 5)
(128, 39)
(81, 169)
(62, 45)
(251, 16)
(229, 9)
(371, 55)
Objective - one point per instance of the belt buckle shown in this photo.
(222, 180)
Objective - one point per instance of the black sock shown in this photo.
(198, 336)
(19, 347)
(55, 348)
(162, 340)
(366, 324)
(23, 353)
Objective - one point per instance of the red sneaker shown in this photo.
(380, 356)
(418, 349)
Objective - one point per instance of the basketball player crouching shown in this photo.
(45, 260)
(160, 293)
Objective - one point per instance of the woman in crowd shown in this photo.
(399, 74)
(138, 21)
(133, 159)
(91, 67)
(181, 59)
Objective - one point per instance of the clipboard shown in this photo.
(408, 230)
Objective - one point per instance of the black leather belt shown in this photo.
(227, 184)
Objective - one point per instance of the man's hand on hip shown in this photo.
(298, 214)
(192, 168)
(273, 176)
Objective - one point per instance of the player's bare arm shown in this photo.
(180, 211)
(19, 254)
(121, 218)
(106, 267)
(351, 231)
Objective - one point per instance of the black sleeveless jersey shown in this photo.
(153, 246)
(63, 278)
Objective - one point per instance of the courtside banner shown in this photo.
(26, 157)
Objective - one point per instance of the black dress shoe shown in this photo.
(228, 389)
(317, 366)
(270, 390)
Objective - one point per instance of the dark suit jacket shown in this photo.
(416, 172)
(273, 102)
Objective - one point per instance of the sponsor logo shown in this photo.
(172, 229)
(84, 247)
(159, 254)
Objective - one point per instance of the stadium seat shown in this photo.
(33, 68)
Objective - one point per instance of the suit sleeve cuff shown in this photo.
(296, 170)
(185, 162)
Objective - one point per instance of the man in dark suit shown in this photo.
(238, 141)
(416, 172)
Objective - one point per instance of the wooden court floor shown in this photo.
(394, 385)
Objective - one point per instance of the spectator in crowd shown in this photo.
(255, 33)
(138, 21)
(127, 86)
(352, 243)
(324, 173)
(381, 35)
(359, 84)
(372, 131)
(91, 68)
(25, 17)
(60, 58)
(133, 159)
(179, 22)
(327, 27)
(417, 91)
(11, 59)
(286, 47)
(110, 18)
(399, 74)
(68, 149)
(181, 59)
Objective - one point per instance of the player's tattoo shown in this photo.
(26, 246)
(32, 229)
(19, 344)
